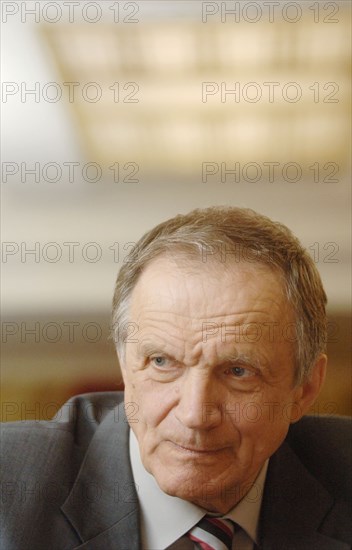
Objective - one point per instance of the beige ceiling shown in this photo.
(169, 133)
(171, 96)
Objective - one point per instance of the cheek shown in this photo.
(259, 439)
(129, 387)
(153, 401)
(262, 421)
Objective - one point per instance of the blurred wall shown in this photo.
(117, 116)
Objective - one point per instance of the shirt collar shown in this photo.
(164, 518)
(247, 510)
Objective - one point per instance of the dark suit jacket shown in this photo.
(68, 484)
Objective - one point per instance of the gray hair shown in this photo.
(216, 232)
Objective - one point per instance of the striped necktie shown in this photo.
(212, 533)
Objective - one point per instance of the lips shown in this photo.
(198, 450)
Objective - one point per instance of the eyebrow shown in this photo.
(147, 349)
(261, 364)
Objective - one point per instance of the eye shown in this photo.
(240, 372)
(159, 361)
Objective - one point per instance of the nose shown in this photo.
(199, 405)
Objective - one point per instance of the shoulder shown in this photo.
(39, 465)
(306, 501)
(80, 409)
(323, 445)
(33, 448)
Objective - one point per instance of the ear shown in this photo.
(309, 389)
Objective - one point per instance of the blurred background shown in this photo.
(118, 115)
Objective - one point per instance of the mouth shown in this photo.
(196, 450)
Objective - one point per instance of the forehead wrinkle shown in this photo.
(186, 331)
(180, 299)
(167, 314)
(157, 333)
(186, 345)
(189, 338)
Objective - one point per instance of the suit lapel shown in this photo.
(295, 507)
(102, 505)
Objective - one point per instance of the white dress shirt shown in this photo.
(165, 519)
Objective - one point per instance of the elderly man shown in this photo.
(220, 326)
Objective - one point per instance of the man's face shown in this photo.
(210, 372)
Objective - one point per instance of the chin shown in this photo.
(184, 489)
(186, 483)
(203, 493)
